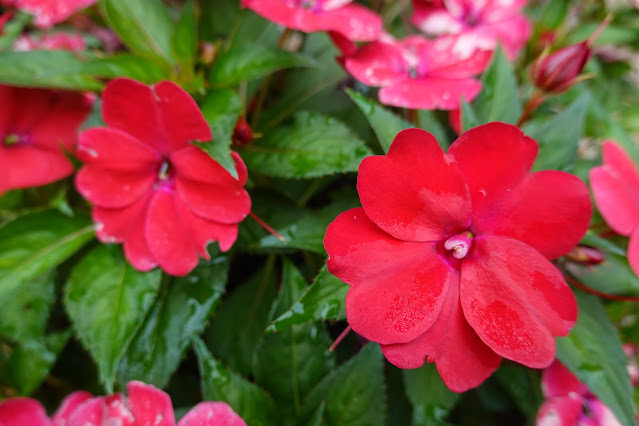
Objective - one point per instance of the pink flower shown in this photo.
(145, 405)
(53, 41)
(418, 73)
(479, 23)
(49, 12)
(353, 21)
(448, 260)
(151, 189)
(38, 129)
(569, 402)
(615, 187)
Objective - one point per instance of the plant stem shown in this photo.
(533, 103)
(587, 289)
(340, 338)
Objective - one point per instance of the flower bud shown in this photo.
(586, 255)
(242, 134)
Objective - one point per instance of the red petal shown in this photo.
(462, 359)
(429, 93)
(515, 300)
(397, 288)
(180, 116)
(615, 187)
(114, 225)
(377, 64)
(550, 211)
(114, 149)
(355, 22)
(557, 380)
(221, 203)
(166, 236)
(22, 411)
(68, 406)
(240, 167)
(279, 12)
(149, 405)
(28, 166)
(415, 192)
(633, 250)
(211, 414)
(90, 412)
(136, 249)
(28, 107)
(204, 231)
(7, 109)
(117, 412)
(112, 189)
(196, 165)
(562, 411)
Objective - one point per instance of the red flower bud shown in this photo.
(586, 255)
(242, 134)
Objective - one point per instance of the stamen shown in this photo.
(164, 170)
(460, 244)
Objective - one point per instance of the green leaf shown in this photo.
(558, 138)
(324, 299)
(432, 401)
(253, 61)
(614, 276)
(522, 384)
(385, 124)
(354, 393)
(499, 96)
(179, 314)
(468, 116)
(312, 145)
(239, 323)
(221, 109)
(124, 65)
(253, 404)
(36, 242)
(107, 301)
(144, 26)
(12, 30)
(290, 363)
(592, 351)
(184, 38)
(591, 239)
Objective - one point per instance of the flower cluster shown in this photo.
(144, 405)
(449, 257)
(49, 12)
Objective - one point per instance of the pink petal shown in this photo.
(90, 412)
(550, 211)
(221, 203)
(436, 21)
(49, 12)
(203, 231)
(429, 93)
(113, 149)
(615, 187)
(211, 414)
(397, 288)
(68, 406)
(561, 411)
(462, 359)
(515, 300)
(117, 412)
(166, 236)
(557, 380)
(602, 415)
(149, 405)
(22, 411)
(415, 192)
(355, 22)
(452, 58)
(499, 10)
(633, 250)
(29, 166)
(180, 116)
(113, 189)
(279, 12)
(512, 33)
(377, 64)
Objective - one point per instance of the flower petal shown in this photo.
(397, 288)
(166, 236)
(221, 203)
(49, 12)
(27, 166)
(462, 359)
(149, 405)
(22, 411)
(136, 249)
(633, 250)
(113, 189)
(377, 64)
(196, 165)
(355, 22)
(615, 187)
(204, 231)
(515, 300)
(561, 411)
(550, 211)
(114, 225)
(415, 192)
(211, 414)
(90, 412)
(429, 93)
(68, 406)
(113, 149)
(557, 380)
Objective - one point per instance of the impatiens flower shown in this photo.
(479, 23)
(38, 129)
(353, 21)
(54, 41)
(145, 405)
(151, 189)
(569, 402)
(49, 12)
(418, 73)
(449, 257)
(615, 187)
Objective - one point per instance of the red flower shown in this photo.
(418, 73)
(49, 12)
(615, 187)
(569, 402)
(38, 128)
(449, 257)
(145, 405)
(480, 24)
(164, 198)
(353, 21)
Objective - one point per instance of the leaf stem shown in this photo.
(533, 103)
(340, 338)
(268, 228)
(587, 289)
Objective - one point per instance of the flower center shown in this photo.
(163, 174)
(460, 244)
(16, 139)
(166, 179)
